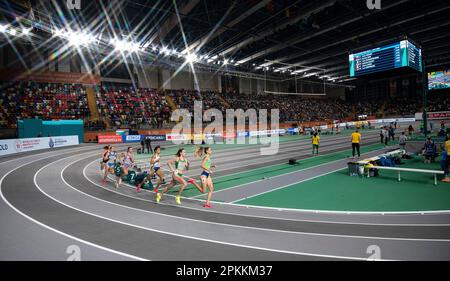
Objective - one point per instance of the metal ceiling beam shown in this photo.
(364, 34)
(172, 21)
(299, 40)
(271, 31)
(328, 56)
(202, 41)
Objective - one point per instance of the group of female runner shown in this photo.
(177, 166)
(117, 165)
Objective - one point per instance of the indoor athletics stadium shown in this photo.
(225, 130)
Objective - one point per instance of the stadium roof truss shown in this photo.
(245, 37)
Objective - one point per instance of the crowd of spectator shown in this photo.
(149, 108)
(48, 101)
(291, 107)
(133, 108)
(438, 103)
(186, 98)
(403, 106)
(369, 108)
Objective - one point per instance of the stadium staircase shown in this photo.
(171, 102)
(94, 115)
(224, 101)
(381, 111)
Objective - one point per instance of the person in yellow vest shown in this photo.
(447, 160)
(356, 141)
(315, 143)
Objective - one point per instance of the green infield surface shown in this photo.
(240, 178)
(384, 193)
(333, 191)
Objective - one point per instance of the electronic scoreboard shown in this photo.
(392, 56)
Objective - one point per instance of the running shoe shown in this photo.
(158, 197)
(156, 190)
(208, 206)
(191, 181)
(446, 180)
(178, 200)
(138, 188)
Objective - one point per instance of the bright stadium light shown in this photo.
(225, 62)
(120, 46)
(124, 46)
(12, 31)
(133, 47)
(58, 32)
(164, 51)
(154, 49)
(26, 31)
(3, 28)
(79, 38)
(191, 57)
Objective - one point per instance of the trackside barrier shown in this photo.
(13, 146)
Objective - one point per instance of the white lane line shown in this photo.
(334, 146)
(245, 163)
(51, 228)
(267, 229)
(285, 186)
(279, 209)
(69, 149)
(280, 175)
(170, 233)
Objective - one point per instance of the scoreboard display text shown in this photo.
(396, 55)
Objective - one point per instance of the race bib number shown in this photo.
(117, 170)
(131, 176)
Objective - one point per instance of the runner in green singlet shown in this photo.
(177, 166)
(205, 154)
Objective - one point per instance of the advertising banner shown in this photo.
(229, 135)
(434, 115)
(131, 138)
(176, 137)
(11, 146)
(109, 139)
(156, 137)
(243, 134)
(212, 136)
